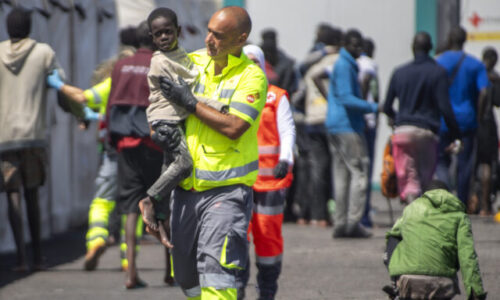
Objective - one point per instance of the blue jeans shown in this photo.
(465, 163)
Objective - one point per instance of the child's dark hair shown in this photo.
(164, 12)
(19, 23)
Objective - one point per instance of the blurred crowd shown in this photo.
(440, 108)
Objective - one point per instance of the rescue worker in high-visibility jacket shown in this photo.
(212, 207)
(103, 204)
(276, 138)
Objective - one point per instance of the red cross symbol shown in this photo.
(475, 19)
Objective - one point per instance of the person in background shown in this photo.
(139, 158)
(318, 188)
(421, 87)
(312, 159)
(276, 137)
(428, 245)
(345, 125)
(279, 67)
(368, 80)
(468, 86)
(104, 222)
(486, 167)
(27, 69)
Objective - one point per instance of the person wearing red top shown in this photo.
(139, 158)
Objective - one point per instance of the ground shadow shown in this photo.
(59, 249)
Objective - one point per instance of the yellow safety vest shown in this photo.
(218, 160)
(97, 96)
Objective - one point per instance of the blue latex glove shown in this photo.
(90, 115)
(54, 80)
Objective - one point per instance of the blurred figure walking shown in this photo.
(422, 89)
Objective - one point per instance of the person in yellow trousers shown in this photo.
(98, 236)
(212, 207)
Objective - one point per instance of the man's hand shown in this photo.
(281, 169)
(454, 148)
(180, 93)
(90, 115)
(168, 137)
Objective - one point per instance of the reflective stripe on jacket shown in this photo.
(97, 96)
(217, 159)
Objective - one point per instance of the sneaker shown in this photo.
(357, 231)
(92, 257)
(339, 232)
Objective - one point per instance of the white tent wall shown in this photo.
(390, 23)
(59, 179)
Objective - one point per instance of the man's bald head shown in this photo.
(237, 15)
(422, 43)
(228, 31)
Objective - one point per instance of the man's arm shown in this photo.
(389, 99)
(482, 84)
(365, 85)
(71, 92)
(444, 105)
(245, 107)
(345, 90)
(481, 104)
(318, 78)
(229, 125)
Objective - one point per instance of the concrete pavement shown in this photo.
(315, 266)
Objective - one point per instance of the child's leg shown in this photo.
(178, 165)
(132, 278)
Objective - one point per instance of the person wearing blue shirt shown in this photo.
(468, 85)
(345, 125)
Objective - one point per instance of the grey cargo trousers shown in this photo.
(209, 234)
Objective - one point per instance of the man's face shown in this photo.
(223, 37)
(354, 46)
(164, 34)
(489, 62)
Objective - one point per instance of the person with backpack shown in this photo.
(422, 89)
(468, 83)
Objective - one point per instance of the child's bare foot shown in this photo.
(148, 213)
(160, 234)
(164, 236)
